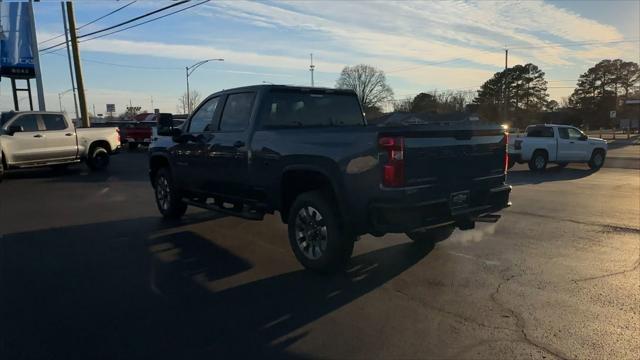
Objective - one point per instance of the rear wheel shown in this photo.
(168, 197)
(98, 158)
(538, 161)
(597, 159)
(317, 236)
(432, 236)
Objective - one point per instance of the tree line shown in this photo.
(517, 95)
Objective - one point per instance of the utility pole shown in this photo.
(311, 68)
(504, 80)
(186, 71)
(73, 80)
(36, 59)
(506, 58)
(76, 60)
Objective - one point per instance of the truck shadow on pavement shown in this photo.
(552, 173)
(120, 168)
(108, 290)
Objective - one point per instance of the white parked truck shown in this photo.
(35, 138)
(560, 144)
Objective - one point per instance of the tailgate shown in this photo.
(453, 159)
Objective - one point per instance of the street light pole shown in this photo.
(188, 70)
(60, 96)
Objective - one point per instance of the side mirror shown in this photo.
(14, 129)
(165, 124)
(583, 137)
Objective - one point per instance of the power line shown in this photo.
(578, 43)
(91, 22)
(134, 19)
(122, 23)
(54, 52)
(144, 22)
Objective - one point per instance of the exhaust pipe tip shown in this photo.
(465, 224)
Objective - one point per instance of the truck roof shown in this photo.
(549, 125)
(286, 87)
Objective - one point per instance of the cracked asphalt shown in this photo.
(88, 270)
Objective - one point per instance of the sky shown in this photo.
(421, 46)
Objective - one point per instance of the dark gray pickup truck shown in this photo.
(309, 154)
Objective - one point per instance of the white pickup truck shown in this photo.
(560, 144)
(33, 138)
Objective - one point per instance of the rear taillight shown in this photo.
(506, 152)
(517, 144)
(393, 170)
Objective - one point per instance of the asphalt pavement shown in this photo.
(89, 270)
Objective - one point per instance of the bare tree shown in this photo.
(369, 83)
(183, 102)
(403, 105)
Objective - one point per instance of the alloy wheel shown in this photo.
(311, 232)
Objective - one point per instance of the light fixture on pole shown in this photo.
(188, 71)
(311, 69)
(60, 96)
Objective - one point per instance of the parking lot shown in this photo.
(89, 270)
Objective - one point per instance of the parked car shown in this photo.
(33, 138)
(560, 144)
(308, 154)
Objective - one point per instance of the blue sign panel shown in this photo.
(16, 56)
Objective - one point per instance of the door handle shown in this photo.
(38, 135)
(68, 134)
(238, 144)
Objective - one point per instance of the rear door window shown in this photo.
(237, 111)
(304, 109)
(54, 122)
(540, 131)
(29, 122)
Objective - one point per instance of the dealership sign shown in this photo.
(16, 52)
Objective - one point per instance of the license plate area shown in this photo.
(460, 199)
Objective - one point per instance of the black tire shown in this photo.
(168, 197)
(597, 159)
(317, 235)
(133, 146)
(538, 161)
(431, 236)
(98, 158)
(562, 164)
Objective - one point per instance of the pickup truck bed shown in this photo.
(308, 154)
